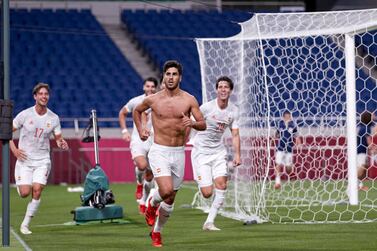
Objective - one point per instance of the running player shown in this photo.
(139, 149)
(209, 155)
(33, 165)
(171, 110)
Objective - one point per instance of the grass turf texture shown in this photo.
(182, 232)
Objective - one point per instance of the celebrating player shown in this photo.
(208, 156)
(139, 149)
(36, 124)
(171, 110)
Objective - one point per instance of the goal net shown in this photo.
(321, 68)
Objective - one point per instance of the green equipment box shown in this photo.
(109, 212)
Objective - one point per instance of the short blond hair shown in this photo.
(39, 86)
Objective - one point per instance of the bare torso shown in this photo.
(167, 117)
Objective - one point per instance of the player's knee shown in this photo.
(141, 164)
(23, 191)
(166, 193)
(207, 193)
(24, 194)
(221, 186)
(148, 176)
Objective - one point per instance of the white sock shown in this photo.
(163, 215)
(146, 190)
(31, 210)
(156, 198)
(277, 179)
(216, 204)
(139, 175)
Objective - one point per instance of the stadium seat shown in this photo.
(50, 45)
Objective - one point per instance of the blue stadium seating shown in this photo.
(168, 35)
(69, 50)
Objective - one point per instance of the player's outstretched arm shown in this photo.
(122, 123)
(137, 115)
(236, 146)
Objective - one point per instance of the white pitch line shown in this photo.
(20, 240)
(70, 223)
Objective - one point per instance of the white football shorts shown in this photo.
(168, 161)
(284, 158)
(139, 147)
(207, 167)
(34, 171)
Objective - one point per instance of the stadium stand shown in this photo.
(168, 35)
(69, 50)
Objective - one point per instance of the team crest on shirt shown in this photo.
(158, 170)
(18, 178)
(199, 177)
(31, 122)
(48, 124)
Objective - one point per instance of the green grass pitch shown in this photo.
(52, 228)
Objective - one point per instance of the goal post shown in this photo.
(311, 64)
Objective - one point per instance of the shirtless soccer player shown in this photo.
(171, 111)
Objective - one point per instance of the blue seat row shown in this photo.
(168, 35)
(69, 50)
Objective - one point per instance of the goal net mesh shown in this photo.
(294, 62)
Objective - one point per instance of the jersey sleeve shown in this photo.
(204, 110)
(19, 120)
(130, 106)
(57, 128)
(235, 122)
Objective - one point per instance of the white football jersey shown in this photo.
(35, 132)
(217, 120)
(130, 106)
